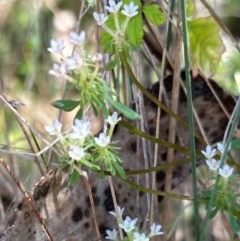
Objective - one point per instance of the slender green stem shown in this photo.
(115, 15)
(190, 117)
(105, 27)
(152, 98)
(125, 24)
(223, 160)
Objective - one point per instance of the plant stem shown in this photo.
(210, 204)
(190, 117)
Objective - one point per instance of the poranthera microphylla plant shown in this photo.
(130, 227)
(81, 71)
(78, 145)
(226, 198)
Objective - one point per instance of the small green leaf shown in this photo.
(127, 112)
(79, 114)
(154, 14)
(105, 111)
(66, 105)
(233, 223)
(107, 43)
(190, 8)
(111, 65)
(119, 170)
(94, 108)
(206, 46)
(63, 165)
(134, 30)
(136, 2)
(235, 144)
(73, 178)
(71, 168)
(213, 213)
(95, 168)
(69, 86)
(96, 100)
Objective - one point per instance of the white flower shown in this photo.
(120, 212)
(102, 140)
(58, 71)
(97, 57)
(138, 237)
(77, 39)
(86, 118)
(226, 171)
(75, 62)
(130, 10)
(55, 128)
(128, 224)
(210, 153)
(56, 46)
(221, 147)
(113, 7)
(76, 153)
(100, 18)
(113, 120)
(112, 234)
(81, 129)
(155, 230)
(213, 164)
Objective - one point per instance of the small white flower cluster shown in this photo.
(81, 131)
(77, 61)
(213, 164)
(130, 227)
(129, 10)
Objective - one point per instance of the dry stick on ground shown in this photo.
(31, 146)
(28, 198)
(141, 141)
(86, 179)
(161, 86)
(115, 206)
(29, 126)
(172, 131)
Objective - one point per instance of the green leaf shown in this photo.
(228, 76)
(63, 165)
(213, 213)
(134, 30)
(136, 2)
(66, 105)
(154, 14)
(73, 178)
(96, 100)
(69, 86)
(107, 43)
(105, 111)
(190, 8)
(127, 112)
(233, 222)
(119, 170)
(235, 144)
(94, 108)
(206, 45)
(79, 114)
(111, 65)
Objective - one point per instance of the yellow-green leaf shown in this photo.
(154, 14)
(206, 45)
(190, 8)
